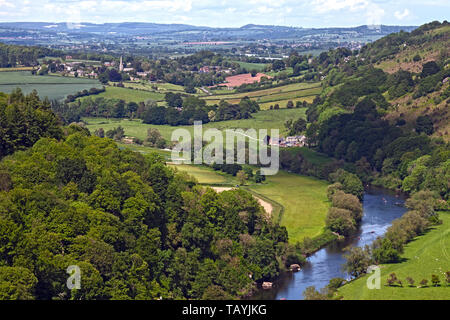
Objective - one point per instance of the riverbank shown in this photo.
(426, 255)
(380, 207)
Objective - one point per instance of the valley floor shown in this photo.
(300, 203)
(425, 256)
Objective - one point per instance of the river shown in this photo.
(380, 208)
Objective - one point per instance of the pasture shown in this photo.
(424, 256)
(304, 200)
(270, 119)
(52, 87)
(160, 87)
(130, 95)
(205, 175)
(299, 203)
(251, 66)
(269, 97)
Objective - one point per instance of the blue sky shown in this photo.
(230, 13)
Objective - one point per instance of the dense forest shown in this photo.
(136, 228)
(24, 120)
(351, 120)
(181, 110)
(12, 56)
(356, 122)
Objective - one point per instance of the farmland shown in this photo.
(270, 119)
(304, 200)
(251, 66)
(160, 87)
(47, 86)
(240, 79)
(16, 69)
(279, 95)
(130, 95)
(206, 175)
(426, 255)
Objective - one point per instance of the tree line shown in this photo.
(136, 228)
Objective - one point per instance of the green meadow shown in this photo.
(130, 95)
(424, 256)
(160, 87)
(267, 92)
(53, 87)
(205, 175)
(304, 200)
(311, 155)
(269, 97)
(145, 150)
(252, 66)
(300, 203)
(269, 119)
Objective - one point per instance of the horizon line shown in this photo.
(204, 26)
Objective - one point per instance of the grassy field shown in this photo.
(130, 95)
(47, 86)
(269, 97)
(16, 69)
(283, 103)
(304, 200)
(270, 119)
(266, 92)
(145, 150)
(312, 156)
(161, 87)
(206, 175)
(426, 255)
(288, 71)
(86, 62)
(251, 66)
(300, 203)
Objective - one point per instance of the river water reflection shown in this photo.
(380, 207)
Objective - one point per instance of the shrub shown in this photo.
(435, 280)
(410, 281)
(333, 188)
(341, 221)
(383, 251)
(358, 260)
(349, 202)
(392, 280)
(424, 283)
(5, 181)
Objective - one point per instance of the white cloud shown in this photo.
(323, 6)
(7, 4)
(371, 10)
(227, 13)
(402, 15)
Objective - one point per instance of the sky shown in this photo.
(229, 13)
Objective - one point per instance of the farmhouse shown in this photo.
(296, 141)
(289, 142)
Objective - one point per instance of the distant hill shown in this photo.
(413, 82)
(250, 31)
